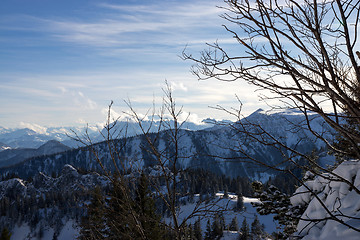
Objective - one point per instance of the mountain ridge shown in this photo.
(10, 157)
(211, 148)
(32, 138)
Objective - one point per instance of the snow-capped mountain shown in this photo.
(35, 137)
(215, 149)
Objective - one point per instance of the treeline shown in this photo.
(40, 210)
(132, 210)
(40, 207)
(200, 181)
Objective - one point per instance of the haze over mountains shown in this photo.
(35, 137)
(213, 148)
(10, 156)
(19, 144)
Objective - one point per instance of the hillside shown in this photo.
(58, 205)
(219, 149)
(10, 157)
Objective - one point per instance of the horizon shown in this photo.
(42, 129)
(63, 62)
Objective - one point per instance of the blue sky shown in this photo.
(61, 62)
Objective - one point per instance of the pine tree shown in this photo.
(93, 224)
(217, 228)
(226, 194)
(208, 233)
(197, 230)
(120, 220)
(275, 202)
(257, 229)
(191, 234)
(234, 226)
(187, 232)
(244, 231)
(239, 202)
(5, 234)
(145, 207)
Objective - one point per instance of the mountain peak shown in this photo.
(52, 146)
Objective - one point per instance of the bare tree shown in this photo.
(170, 159)
(162, 141)
(305, 54)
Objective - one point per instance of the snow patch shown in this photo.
(333, 198)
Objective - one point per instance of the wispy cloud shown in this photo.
(65, 68)
(165, 23)
(78, 99)
(190, 9)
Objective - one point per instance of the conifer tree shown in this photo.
(120, 220)
(125, 214)
(275, 202)
(208, 233)
(226, 194)
(234, 226)
(197, 230)
(222, 220)
(217, 227)
(145, 207)
(257, 229)
(5, 234)
(244, 231)
(239, 202)
(93, 224)
(191, 232)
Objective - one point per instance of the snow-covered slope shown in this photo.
(70, 228)
(334, 199)
(227, 206)
(3, 146)
(10, 157)
(214, 149)
(48, 207)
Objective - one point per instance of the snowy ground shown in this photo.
(249, 213)
(341, 200)
(71, 230)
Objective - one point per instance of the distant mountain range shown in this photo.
(29, 138)
(214, 148)
(9, 157)
(34, 138)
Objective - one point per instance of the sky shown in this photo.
(62, 62)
